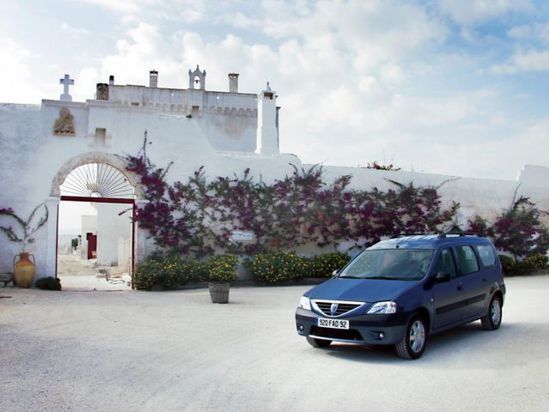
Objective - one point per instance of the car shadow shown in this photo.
(370, 354)
(467, 346)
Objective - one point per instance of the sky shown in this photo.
(457, 87)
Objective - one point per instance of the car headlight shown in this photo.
(305, 303)
(383, 308)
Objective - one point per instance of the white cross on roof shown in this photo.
(66, 82)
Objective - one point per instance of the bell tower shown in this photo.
(197, 79)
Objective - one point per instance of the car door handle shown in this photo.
(460, 287)
(484, 279)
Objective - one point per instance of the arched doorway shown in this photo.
(106, 242)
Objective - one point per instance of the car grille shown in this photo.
(342, 307)
(349, 334)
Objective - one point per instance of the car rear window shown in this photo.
(487, 255)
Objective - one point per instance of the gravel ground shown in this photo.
(168, 351)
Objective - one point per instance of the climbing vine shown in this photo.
(517, 230)
(25, 229)
(199, 216)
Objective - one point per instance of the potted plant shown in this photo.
(222, 269)
(24, 269)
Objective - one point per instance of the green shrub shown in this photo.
(322, 266)
(147, 275)
(507, 265)
(222, 268)
(276, 267)
(168, 271)
(536, 261)
(198, 271)
(533, 263)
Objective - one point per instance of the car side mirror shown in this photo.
(441, 277)
(335, 273)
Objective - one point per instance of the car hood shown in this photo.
(360, 290)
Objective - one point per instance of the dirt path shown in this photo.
(80, 274)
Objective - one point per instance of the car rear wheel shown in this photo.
(413, 343)
(492, 320)
(319, 343)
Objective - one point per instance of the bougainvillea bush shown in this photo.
(197, 217)
(519, 232)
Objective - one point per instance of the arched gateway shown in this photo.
(100, 178)
(99, 158)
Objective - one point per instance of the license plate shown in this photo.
(333, 323)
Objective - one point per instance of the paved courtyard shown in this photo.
(174, 351)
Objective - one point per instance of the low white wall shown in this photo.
(124, 255)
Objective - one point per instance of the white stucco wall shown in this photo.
(222, 140)
(228, 121)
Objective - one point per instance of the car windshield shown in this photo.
(394, 264)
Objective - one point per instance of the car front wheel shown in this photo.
(492, 320)
(413, 343)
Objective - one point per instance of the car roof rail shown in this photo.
(395, 236)
(459, 233)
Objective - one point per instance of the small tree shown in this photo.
(480, 226)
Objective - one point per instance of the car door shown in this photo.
(484, 280)
(448, 297)
(473, 280)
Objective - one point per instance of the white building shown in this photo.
(45, 151)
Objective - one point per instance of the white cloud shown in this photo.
(73, 31)
(369, 33)
(145, 48)
(469, 12)
(121, 6)
(503, 157)
(525, 32)
(17, 83)
(525, 61)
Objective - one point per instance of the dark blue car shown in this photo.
(401, 290)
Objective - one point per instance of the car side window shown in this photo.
(467, 259)
(445, 263)
(487, 255)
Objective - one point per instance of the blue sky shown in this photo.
(452, 86)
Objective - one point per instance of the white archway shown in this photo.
(95, 157)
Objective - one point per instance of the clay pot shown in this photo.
(24, 269)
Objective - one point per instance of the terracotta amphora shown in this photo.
(24, 269)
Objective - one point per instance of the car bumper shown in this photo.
(363, 330)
